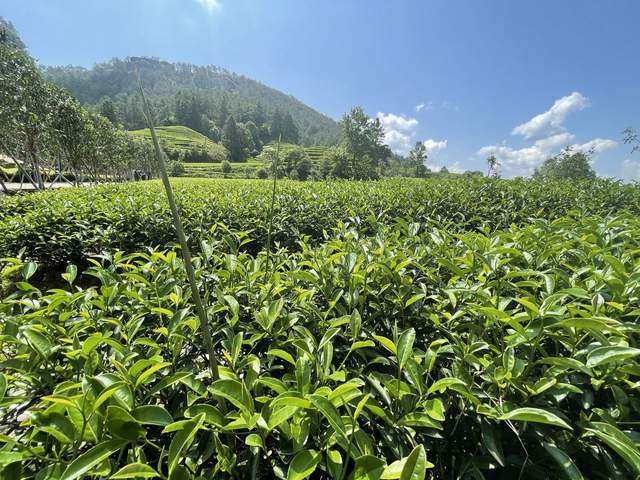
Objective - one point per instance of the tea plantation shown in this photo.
(407, 329)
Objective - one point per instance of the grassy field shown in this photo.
(399, 329)
(176, 137)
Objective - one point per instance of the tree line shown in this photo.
(47, 136)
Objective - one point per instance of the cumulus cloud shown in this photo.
(432, 146)
(397, 122)
(400, 134)
(631, 169)
(597, 145)
(547, 132)
(399, 131)
(552, 121)
(455, 168)
(210, 5)
(523, 161)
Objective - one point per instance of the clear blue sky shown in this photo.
(514, 78)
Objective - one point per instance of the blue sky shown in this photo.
(517, 79)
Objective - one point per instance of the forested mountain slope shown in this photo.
(197, 96)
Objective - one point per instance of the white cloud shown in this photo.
(420, 106)
(210, 5)
(455, 168)
(399, 131)
(550, 139)
(434, 146)
(597, 145)
(631, 169)
(397, 122)
(400, 134)
(552, 120)
(523, 161)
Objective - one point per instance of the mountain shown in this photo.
(197, 96)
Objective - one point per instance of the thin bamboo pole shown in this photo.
(186, 252)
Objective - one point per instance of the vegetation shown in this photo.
(43, 129)
(60, 227)
(198, 97)
(182, 139)
(567, 165)
(446, 326)
(416, 350)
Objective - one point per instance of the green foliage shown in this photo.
(362, 139)
(567, 165)
(9, 37)
(43, 129)
(63, 226)
(235, 140)
(187, 143)
(415, 350)
(417, 157)
(195, 96)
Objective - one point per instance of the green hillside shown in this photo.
(207, 92)
(177, 137)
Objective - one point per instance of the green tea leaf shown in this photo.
(303, 464)
(135, 470)
(537, 415)
(603, 355)
(405, 347)
(415, 467)
(91, 458)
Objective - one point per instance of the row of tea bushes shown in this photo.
(64, 226)
(413, 352)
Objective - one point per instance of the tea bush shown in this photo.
(414, 351)
(58, 227)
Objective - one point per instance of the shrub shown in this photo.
(262, 173)
(413, 350)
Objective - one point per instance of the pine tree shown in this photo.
(232, 139)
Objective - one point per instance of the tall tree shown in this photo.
(417, 157)
(363, 140)
(493, 167)
(276, 129)
(108, 110)
(223, 112)
(232, 139)
(9, 36)
(567, 165)
(290, 131)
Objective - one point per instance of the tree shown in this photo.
(493, 167)
(567, 165)
(290, 131)
(276, 129)
(417, 157)
(363, 142)
(9, 36)
(223, 112)
(297, 164)
(631, 138)
(226, 168)
(254, 134)
(108, 110)
(233, 139)
(337, 160)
